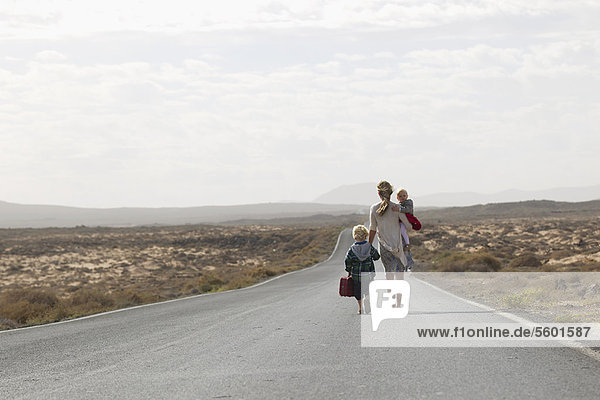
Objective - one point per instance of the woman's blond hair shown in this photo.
(360, 233)
(385, 190)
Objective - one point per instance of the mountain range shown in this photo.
(14, 215)
(350, 199)
(366, 193)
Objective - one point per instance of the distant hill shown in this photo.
(40, 216)
(366, 193)
(37, 216)
(361, 193)
(522, 209)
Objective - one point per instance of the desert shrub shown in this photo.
(160, 250)
(554, 268)
(27, 305)
(415, 239)
(91, 299)
(205, 287)
(35, 295)
(503, 252)
(558, 254)
(261, 272)
(590, 267)
(250, 277)
(525, 260)
(240, 282)
(462, 262)
(7, 324)
(210, 283)
(575, 267)
(131, 297)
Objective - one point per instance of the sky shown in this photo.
(191, 103)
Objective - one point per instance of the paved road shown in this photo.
(292, 337)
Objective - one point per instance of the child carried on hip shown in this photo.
(406, 207)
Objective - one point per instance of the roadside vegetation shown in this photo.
(49, 275)
(60, 273)
(512, 245)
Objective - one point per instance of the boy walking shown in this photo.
(359, 261)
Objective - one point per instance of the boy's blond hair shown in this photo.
(360, 233)
(401, 190)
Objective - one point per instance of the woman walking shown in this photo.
(386, 224)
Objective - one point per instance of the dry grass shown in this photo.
(462, 262)
(55, 274)
(543, 244)
(523, 250)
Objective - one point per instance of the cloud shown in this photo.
(50, 56)
(61, 18)
(186, 116)
(287, 98)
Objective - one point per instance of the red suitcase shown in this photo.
(346, 286)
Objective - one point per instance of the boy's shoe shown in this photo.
(407, 247)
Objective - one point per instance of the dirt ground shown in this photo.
(557, 244)
(166, 261)
(547, 266)
(57, 273)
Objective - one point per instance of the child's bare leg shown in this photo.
(404, 235)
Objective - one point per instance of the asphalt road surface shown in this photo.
(291, 338)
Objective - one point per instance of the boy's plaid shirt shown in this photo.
(355, 267)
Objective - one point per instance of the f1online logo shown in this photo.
(388, 299)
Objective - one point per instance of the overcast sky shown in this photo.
(188, 103)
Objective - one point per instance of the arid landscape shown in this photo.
(545, 267)
(518, 244)
(51, 274)
(59, 273)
